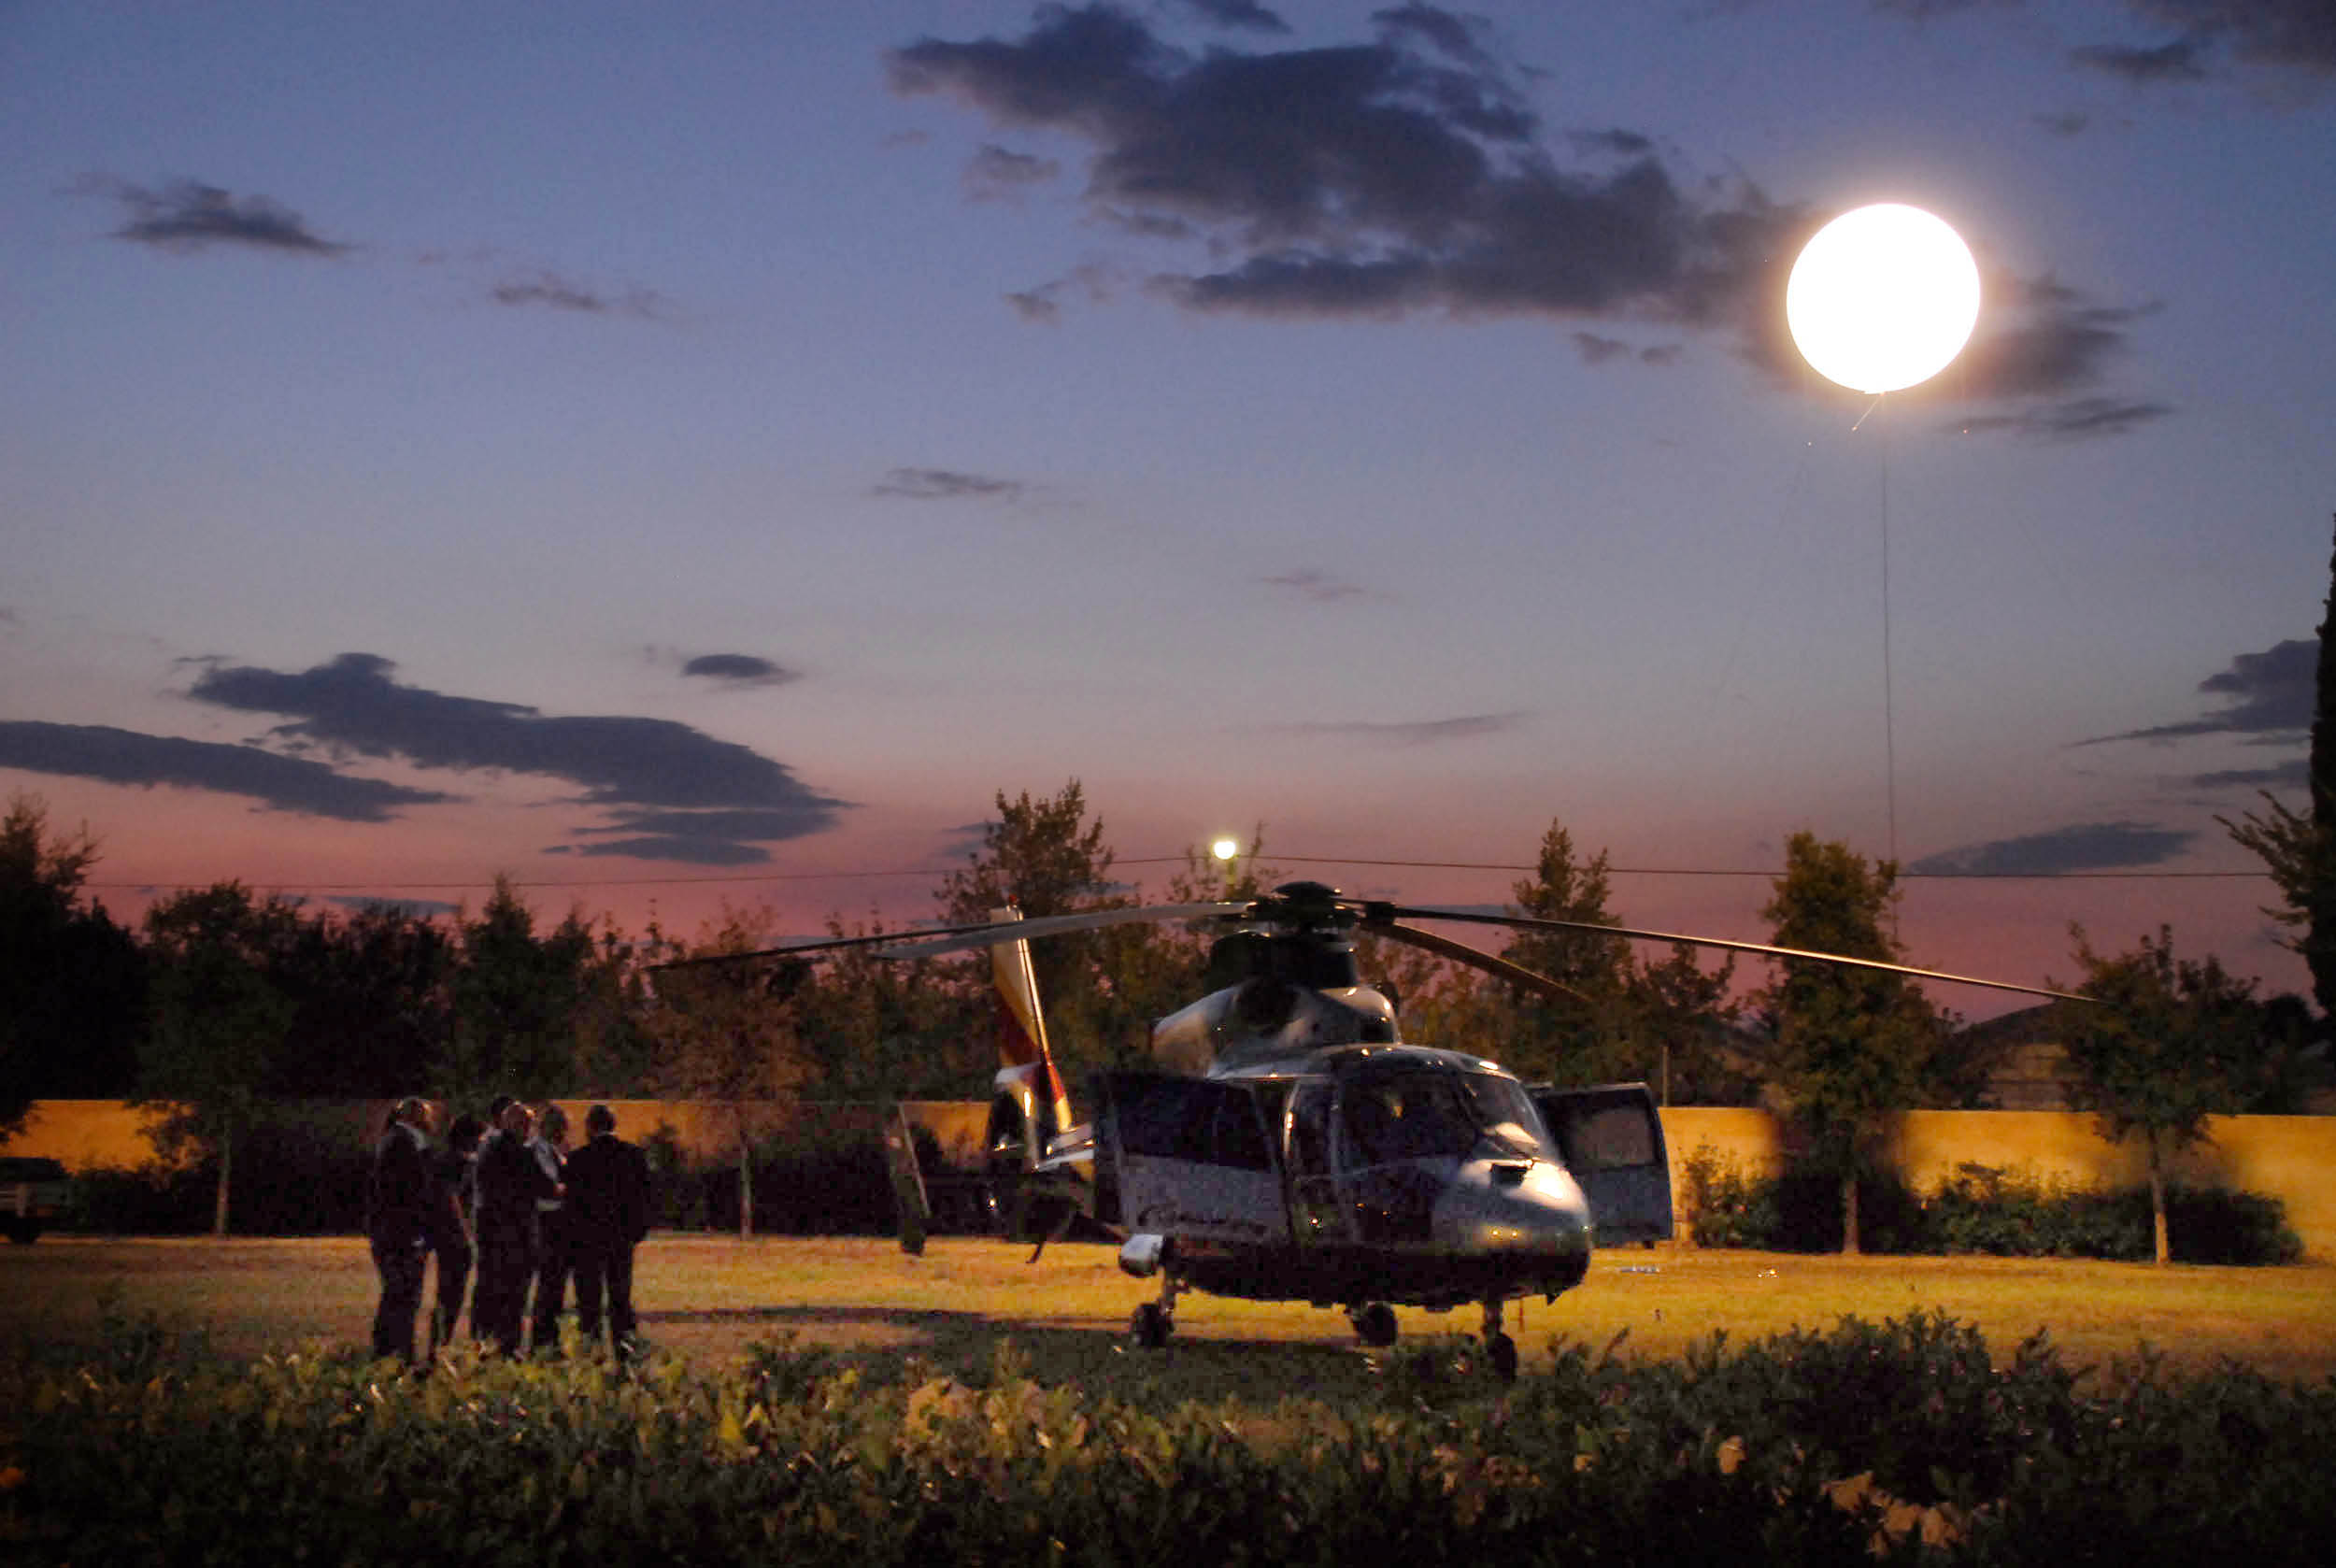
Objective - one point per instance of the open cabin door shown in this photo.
(1612, 1138)
(1188, 1158)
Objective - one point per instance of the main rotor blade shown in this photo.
(806, 948)
(923, 944)
(963, 938)
(1517, 975)
(1376, 913)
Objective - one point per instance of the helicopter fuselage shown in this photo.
(1345, 1176)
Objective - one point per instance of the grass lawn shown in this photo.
(711, 1296)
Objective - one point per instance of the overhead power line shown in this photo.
(738, 878)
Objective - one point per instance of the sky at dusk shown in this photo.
(704, 451)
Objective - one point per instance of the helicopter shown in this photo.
(1290, 1145)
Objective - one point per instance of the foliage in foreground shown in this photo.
(1980, 1209)
(1897, 1439)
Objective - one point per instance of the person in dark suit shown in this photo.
(402, 1196)
(510, 1183)
(608, 1215)
(554, 1256)
(451, 1233)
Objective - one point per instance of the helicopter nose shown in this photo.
(1517, 1215)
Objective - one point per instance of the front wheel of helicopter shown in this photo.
(1150, 1326)
(1375, 1324)
(1500, 1351)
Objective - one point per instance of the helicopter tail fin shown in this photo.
(1029, 1108)
(1026, 1069)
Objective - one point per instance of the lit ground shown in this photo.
(710, 1296)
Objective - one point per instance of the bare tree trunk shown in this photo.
(746, 1184)
(2158, 1203)
(1849, 1241)
(226, 1160)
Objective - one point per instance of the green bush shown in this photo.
(1978, 1209)
(1807, 1447)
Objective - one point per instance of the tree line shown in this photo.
(223, 999)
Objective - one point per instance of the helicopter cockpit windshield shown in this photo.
(1437, 1113)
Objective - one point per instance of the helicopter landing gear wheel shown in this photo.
(1155, 1320)
(1375, 1324)
(1499, 1349)
(1151, 1326)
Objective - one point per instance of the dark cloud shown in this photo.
(1597, 349)
(2301, 33)
(2088, 847)
(2056, 340)
(1401, 175)
(944, 484)
(352, 707)
(115, 756)
(2293, 773)
(1410, 175)
(186, 216)
(2179, 60)
(2074, 420)
(1045, 302)
(740, 669)
(1239, 14)
(1614, 143)
(1426, 732)
(1321, 587)
(550, 289)
(2276, 33)
(694, 838)
(2065, 123)
(2269, 694)
(998, 174)
(414, 909)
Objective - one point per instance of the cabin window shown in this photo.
(1616, 1137)
(1437, 1114)
(1196, 1120)
(1310, 1130)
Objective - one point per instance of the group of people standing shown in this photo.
(507, 1193)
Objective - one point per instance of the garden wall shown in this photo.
(2290, 1157)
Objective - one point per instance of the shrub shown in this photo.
(1809, 1447)
(1979, 1209)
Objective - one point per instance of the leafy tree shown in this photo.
(1044, 858)
(1632, 1018)
(372, 1004)
(892, 1028)
(726, 1033)
(1148, 971)
(518, 1000)
(219, 1019)
(72, 982)
(1851, 1045)
(2299, 848)
(1575, 1039)
(1441, 1002)
(1683, 1010)
(2173, 1042)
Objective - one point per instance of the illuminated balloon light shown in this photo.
(1883, 297)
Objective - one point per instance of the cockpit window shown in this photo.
(1431, 1114)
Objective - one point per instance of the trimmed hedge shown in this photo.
(1979, 1209)
(1820, 1448)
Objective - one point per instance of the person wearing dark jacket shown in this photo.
(608, 1215)
(401, 1197)
(451, 1230)
(554, 1258)
(510, 1183)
